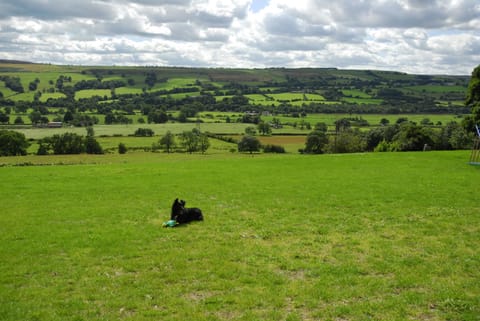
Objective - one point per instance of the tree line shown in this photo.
(402, 136)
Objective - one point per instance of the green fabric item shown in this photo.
(170, 223)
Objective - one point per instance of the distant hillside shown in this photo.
(8, 61)
(309, 89)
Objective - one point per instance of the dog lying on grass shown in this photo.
(181, 214)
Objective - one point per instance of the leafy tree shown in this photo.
(426, 122)
(384, 122)
(250, 131)
(4, 118)
(122, 149)
(203, 143)
(42, 148)
(460, 139)
(413, 137)
(316, 142)
(385, 146)
(13, 83)
(68, 117)
(374, 137)
(473, 98)
(43, 110)
(144, 132)
(35, 117)
(110, 119)
(249, 144)
(342, 125)
(80, 120)
(250, 118)
(151, 79)
(264, 128)
(276, 123)
(273, 149)
(389, 93)
(18, 121)
(182, 117)
(92, 146)
(157, 117)
(190, 141)
(401, 120)
(32, 86)
(90, 131)
(350, 141)
(321, 127)
(67, 143)
(167, 141)
(454, 136)
(239, 100)
(12, 143)
(194, 141)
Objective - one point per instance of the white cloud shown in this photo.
(418, 36)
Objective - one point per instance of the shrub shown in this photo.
(67, 143)
(122, 149)
(144, 132)
(273, 149)
(92, 146)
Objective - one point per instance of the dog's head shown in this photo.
(177, 208)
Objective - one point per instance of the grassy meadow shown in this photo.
(379, 236)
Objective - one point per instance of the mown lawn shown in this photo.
(388, 236)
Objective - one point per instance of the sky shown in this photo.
(413, 36)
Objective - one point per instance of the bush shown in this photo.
(385, 146)
(347, 142)
(122, 149)
(144, 132)
(67, 143)
(315, 142)
(92, 146)
(273, 149)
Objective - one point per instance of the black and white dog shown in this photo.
(181, 214)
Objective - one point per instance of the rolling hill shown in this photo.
(310, 89)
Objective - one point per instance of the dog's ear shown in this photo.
(182, 202)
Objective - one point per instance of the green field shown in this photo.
(437, 89)
(125, 130)
(380, 236)
(88, 93)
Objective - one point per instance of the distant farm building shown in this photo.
(55, 124)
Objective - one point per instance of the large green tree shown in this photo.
(249, 144)
(12, 143)
(189, 141)
(203, 143)
(264, 128)
(413, 137)
(473, 100)
(316, 142)
(167, 141)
